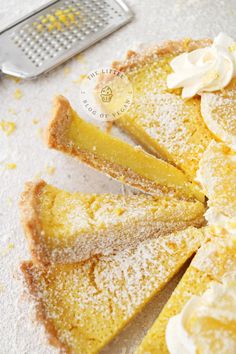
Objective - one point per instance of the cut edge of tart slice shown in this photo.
(85, 305)
(64, 227)
(70, 134)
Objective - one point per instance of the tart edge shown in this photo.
(29, 214)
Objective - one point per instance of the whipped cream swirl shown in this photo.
(205, 69)
(218, 302)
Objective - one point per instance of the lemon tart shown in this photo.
(84, 305)
(68, 133)
(196, 319)
(159, 119)
(67, 227)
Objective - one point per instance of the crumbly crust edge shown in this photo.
(30, 219)
(27, 269)
(134, 58)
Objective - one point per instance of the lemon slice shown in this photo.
(219, 113)
(217, 175)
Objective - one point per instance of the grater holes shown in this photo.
(44, 43)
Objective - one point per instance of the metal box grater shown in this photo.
(57, 31)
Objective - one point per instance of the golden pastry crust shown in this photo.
(27, 269)
(29, 203)
(134, 59)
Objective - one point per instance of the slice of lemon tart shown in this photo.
(68, 133)
(67, 227)
(200, 315)
(84, 305)
(160, 119)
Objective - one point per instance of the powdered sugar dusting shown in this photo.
(104, 293)
(176, 126)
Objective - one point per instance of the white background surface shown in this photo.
(155, 20)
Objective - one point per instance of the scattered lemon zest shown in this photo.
(18, 94)
(50, 170)
(50, 27)
(9, 247)
(40, 27)
(38, 175)
(81, 77)
(57, 20)
(12, 110)
(9, 201)
(7, 127)
(232, 48)
(40, 132)
(81, 58)
(10, 166)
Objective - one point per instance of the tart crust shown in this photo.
(29, 211)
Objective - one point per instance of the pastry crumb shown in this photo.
(81, 58)
(35, 121)
(66, 70)
(109, 126)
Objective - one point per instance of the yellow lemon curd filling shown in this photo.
(75, 226)
(84, 305)
(210, 331)
(161, 120)
(87, 137)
